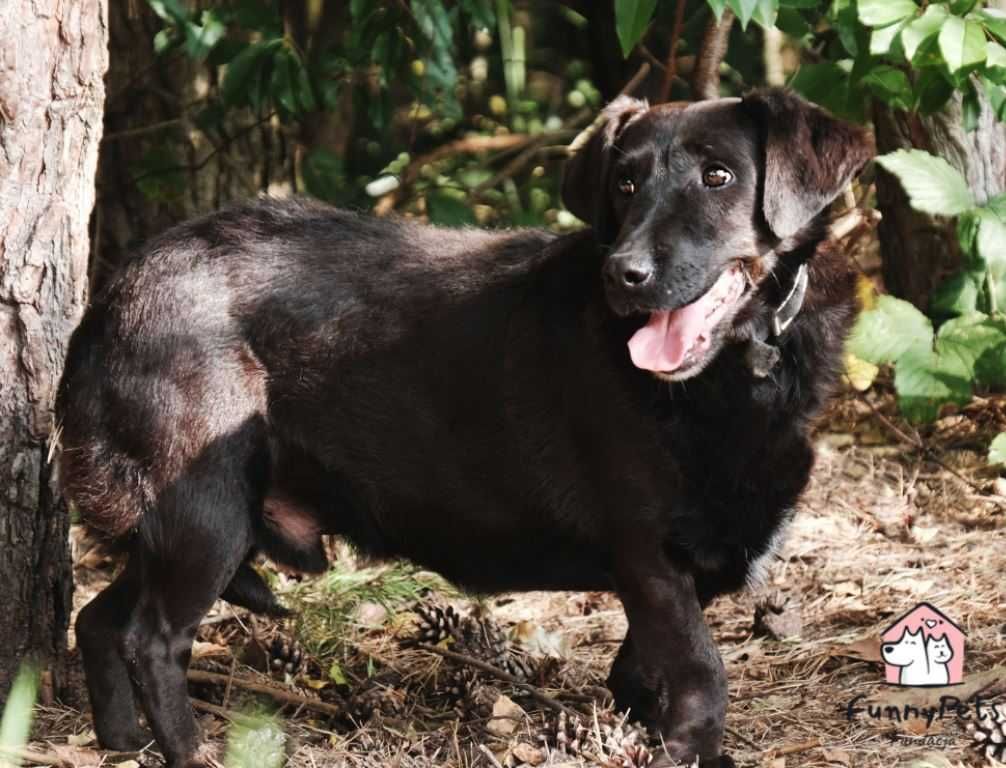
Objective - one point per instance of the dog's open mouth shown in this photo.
(675, 341)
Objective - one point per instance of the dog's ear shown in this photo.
(585, 180)
(809, 159)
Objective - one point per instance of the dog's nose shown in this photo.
(630, 271)
(888, 649)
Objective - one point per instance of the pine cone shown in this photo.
(363, 704)
(286, 657)
(625, 745)
(989, 731)
(566, 735)
(436, 624)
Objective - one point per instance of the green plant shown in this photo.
(15, 725)
(935, 366)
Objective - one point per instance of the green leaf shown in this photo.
(990, 244)
(717, 6)
(932, 184)
(325, 175)
(336, 675)
(921, 29)
(745, 10)
(971, 107)
(967, 233)
(932, 91)
(882, 38)
(845, 22)
(242, 75)
(994, 20)
(891, 85)
(806, 4)
(962, 43)
(201, 38)
(765, 13)
(18, 713)
(792, 22)
(880, 13)
(825, 83)
(165, 40)
(480, 12)
(962, 341)
(996, 58)
(889, 331)
(281, 86)
(448, 211)
(170, 11)
(997, 449)
(997, 205)
(631, 20)
(957, 295)
(924, 383)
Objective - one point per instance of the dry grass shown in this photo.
(883, 526)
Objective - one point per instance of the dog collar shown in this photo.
(791, 305)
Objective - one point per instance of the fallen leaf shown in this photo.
(81, 739)
(507, 715)
(865, 649)
(371, 614)
(839, 756)
(528, 754)
(536, 641)
(850, 588)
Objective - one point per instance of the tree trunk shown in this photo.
(53, 55)
(920, 251)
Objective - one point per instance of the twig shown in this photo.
(42, 757)
(489, 669)
(801, 746)
(213, 709)
(636, 79)
(286, 697)
(466, 145)
(489, 755)
(742, 739)
(671, 70)
(706, 75)
(143, 129)
(216, 151)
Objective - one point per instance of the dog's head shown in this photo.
(694, 201)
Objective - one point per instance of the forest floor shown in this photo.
(884, 525)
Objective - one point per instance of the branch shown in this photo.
(280, 695)
(499, 674)
(672, 58)
(706, 75)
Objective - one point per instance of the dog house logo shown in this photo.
(923, 648)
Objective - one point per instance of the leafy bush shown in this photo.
(936, 367)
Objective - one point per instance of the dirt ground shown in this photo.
(884, 525)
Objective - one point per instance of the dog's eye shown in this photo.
(716, 176)
(627, 186)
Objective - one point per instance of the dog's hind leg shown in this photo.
(99, 628)
(248, 590)
(192, 545)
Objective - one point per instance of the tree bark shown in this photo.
(53, 55)
(920, 251)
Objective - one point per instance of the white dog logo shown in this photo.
(921, 661)
(923, 647)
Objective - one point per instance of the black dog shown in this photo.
(509, 408)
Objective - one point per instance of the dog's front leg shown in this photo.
(680, 682)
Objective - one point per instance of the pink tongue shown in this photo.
(661, 345)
